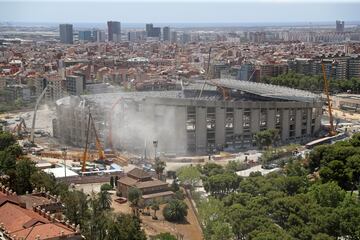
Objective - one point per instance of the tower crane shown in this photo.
(332, 131)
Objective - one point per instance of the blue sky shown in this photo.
(187, 11)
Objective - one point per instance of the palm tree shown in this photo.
(155, 206)
(134, 196)
(147, 207)
(104, 200)
(159, 168)
(175, 210)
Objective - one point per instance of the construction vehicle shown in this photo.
(98, 145)
(332, 131)
(20, 129)
(35, 111)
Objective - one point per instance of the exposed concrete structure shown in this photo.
(183, 122)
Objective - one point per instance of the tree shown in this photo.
(220, 185)
(6, 140)
(164, 236)
(328, 194)
(123, 226)
(104, 200)
(7, 162)
(159, 168)
(116, 180)
(266, 138)
(234, 166)
(41, 179)
(188, 175)
(134, 196)
(18, 102)
(76, 207)
(352, 170)
(155, 207)
(211, 212)
(24, 169)
(175, 211)
(106, 187)
(14, 150)
(222, 231)
(175, 186)
(112, 182)
(210, 169)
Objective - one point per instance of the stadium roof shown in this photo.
(260, 89)
(266, 90)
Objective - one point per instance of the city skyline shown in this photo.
(173, 11)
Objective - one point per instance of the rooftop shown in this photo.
(28, 224)
(267, 90)
(191, 91)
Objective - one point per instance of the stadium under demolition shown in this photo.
(199, 119)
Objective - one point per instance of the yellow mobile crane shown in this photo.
(97, 143)
(332, 131)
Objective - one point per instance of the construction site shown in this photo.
(101, 133)
(199, 119)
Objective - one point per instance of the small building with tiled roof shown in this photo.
(150, 188)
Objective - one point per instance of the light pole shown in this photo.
(155, 143)
(64, 153)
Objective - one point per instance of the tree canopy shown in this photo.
(289, 204)
(314, 83)
(175, 211)
(189, 175)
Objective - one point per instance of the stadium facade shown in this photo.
(200, 118)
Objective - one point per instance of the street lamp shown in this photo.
(155, 143)
(64, 153)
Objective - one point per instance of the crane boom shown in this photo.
(332, 131)
(84, 159)
(97, 142)
(207, 73)
(35, 110)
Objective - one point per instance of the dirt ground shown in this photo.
(189, 230)
(349, 116)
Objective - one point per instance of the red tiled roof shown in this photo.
(28, 224)
(127, 181)
(152, 183)
(138, 173)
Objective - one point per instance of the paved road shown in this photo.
(246, 173)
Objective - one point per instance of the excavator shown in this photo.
(332, 130)
(20, 129)
(97, 143)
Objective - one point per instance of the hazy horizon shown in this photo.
(229, 12)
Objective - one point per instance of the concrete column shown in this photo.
(308, 123)
(200, 129)
(180, 126)
(220, 126)
(271, 119)
(298, 121)
(255, 120)
(284, 124)
(238, 121)
(318, 119)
